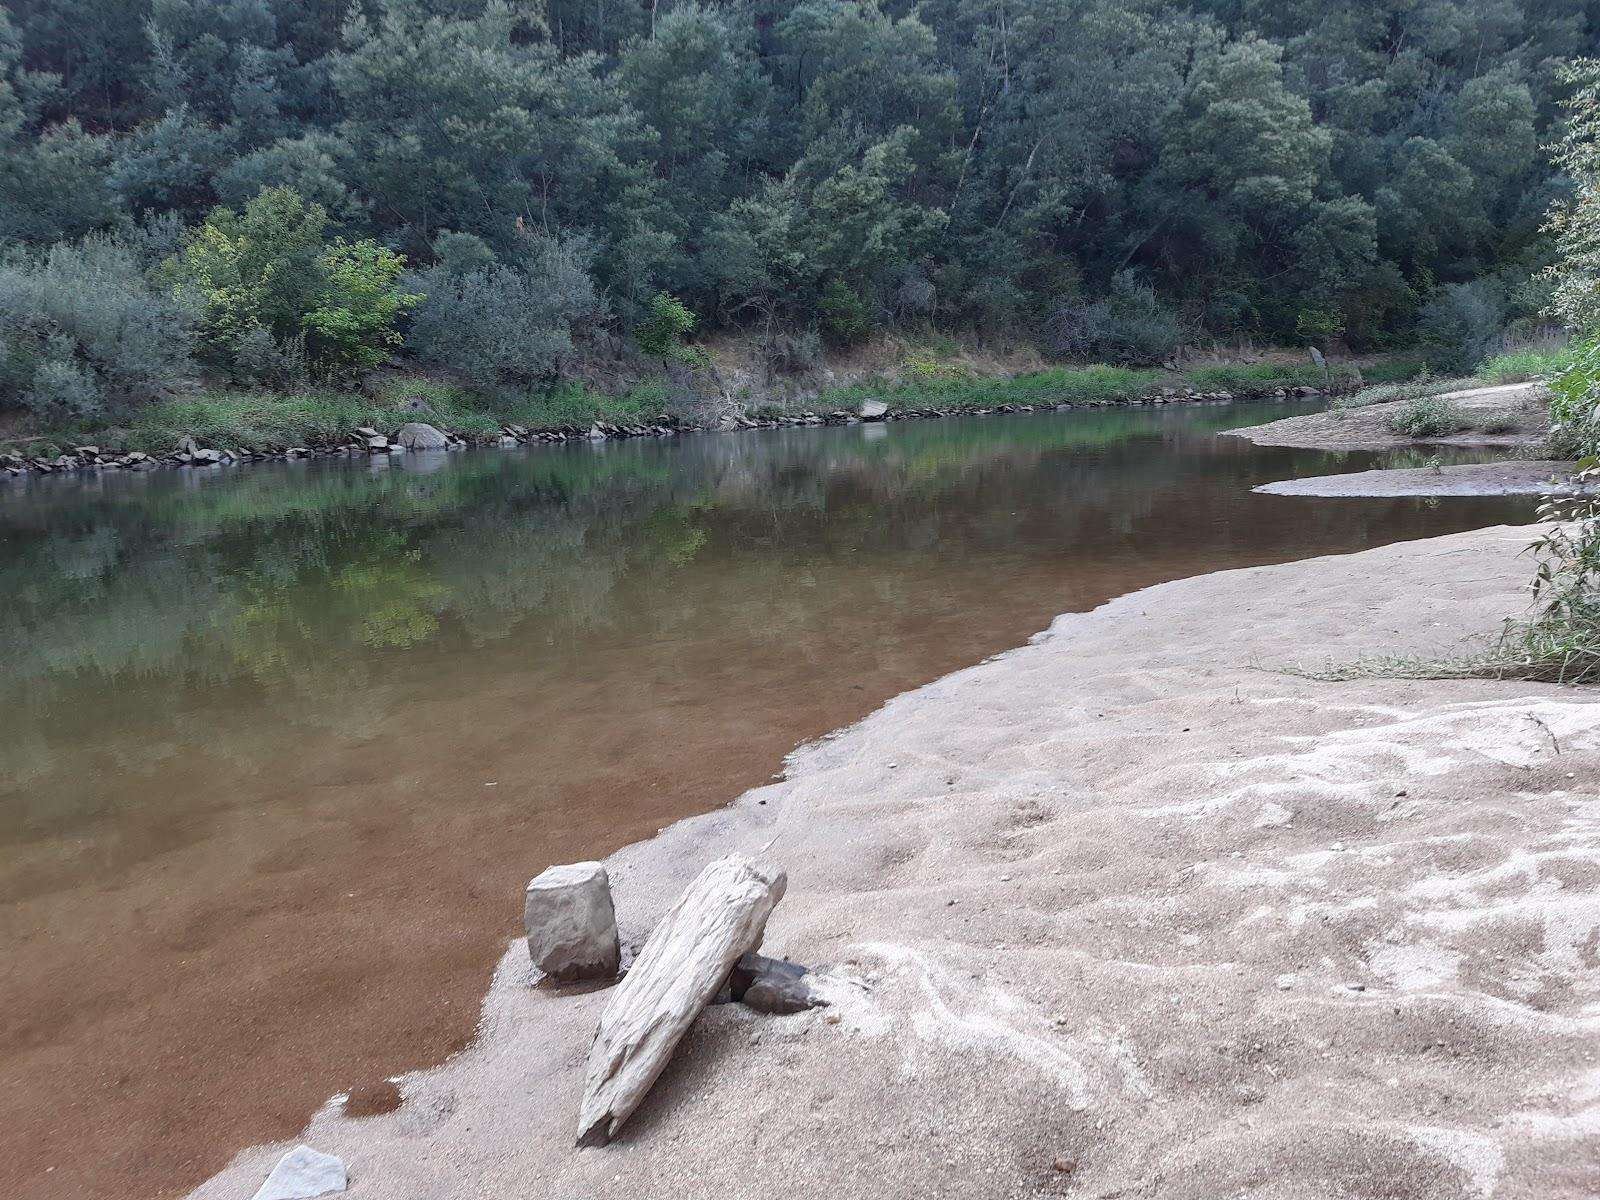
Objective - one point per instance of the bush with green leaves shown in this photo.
(84, 333)
(842, 315)
(1428, 416)
(504, 329)
(1129, 326)
(662, 334)
(1575, 403)
(352, 328)
(1462, 325)
(267, 270)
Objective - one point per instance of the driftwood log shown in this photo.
(686, 959)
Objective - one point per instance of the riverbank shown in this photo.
(1134, 910)
(226, 429)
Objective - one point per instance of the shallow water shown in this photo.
(281, 744)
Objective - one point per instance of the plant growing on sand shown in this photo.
(1428, 416)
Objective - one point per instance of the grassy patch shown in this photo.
(1521, 366)
(236, 419)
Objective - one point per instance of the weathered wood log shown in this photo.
(688, 955)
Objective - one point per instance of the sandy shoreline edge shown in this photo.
(1131, 898)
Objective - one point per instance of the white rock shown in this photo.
(572, 927)
(873, 409)
(303, 1173)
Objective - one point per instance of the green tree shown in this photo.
(352, 327)
(662, 333)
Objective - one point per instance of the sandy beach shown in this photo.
(1515, 477)
(1137, 910)
(1369, 428)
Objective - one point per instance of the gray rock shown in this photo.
(419, 435)
(302, 1174)
(772, 985)
(571, 925)
(377, 444)
(871, 410)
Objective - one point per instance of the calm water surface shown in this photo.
(280, 745)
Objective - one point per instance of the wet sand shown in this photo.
(1137, 910)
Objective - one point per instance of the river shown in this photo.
(281, 744)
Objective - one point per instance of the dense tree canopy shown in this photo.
(1260, 167)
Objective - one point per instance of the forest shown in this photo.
(256, 193)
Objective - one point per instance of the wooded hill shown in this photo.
(481, 185)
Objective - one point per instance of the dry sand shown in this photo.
(1368, 428)
(1132, 901)
(1514, 477)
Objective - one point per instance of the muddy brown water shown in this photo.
(281, 745)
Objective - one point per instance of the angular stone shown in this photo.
(302, 1174)
(772, 985)
(377, 444)
(571, 925)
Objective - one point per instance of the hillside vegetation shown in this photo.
(259, 196)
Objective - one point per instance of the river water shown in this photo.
(280, 745)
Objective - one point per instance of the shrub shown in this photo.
(1428, 416)
(1129, 326)
(1461, 326)
(266, 269)
(83, 332)
(503, 328)
(352, 326)
(1424, 384)
(258, 268)
(842, 315)
(1574, 399)
(665, 326)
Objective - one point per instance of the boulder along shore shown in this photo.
(1135, 910)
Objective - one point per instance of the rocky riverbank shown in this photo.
(411, 436)
(1136, 910)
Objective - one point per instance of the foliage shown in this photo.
(1575, 222)
(1424, 384)
(1524, 365)
(1428, 416)
(841, 314)
(1575, 401)
(264, 278)
(667, 322)
(352, 326)
(1560, 641)
(83, 333)
(1130, 325)
(1117, 176)
(504, 328)
(1461, 327)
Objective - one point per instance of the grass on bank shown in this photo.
(235, 419)
(268, 421)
